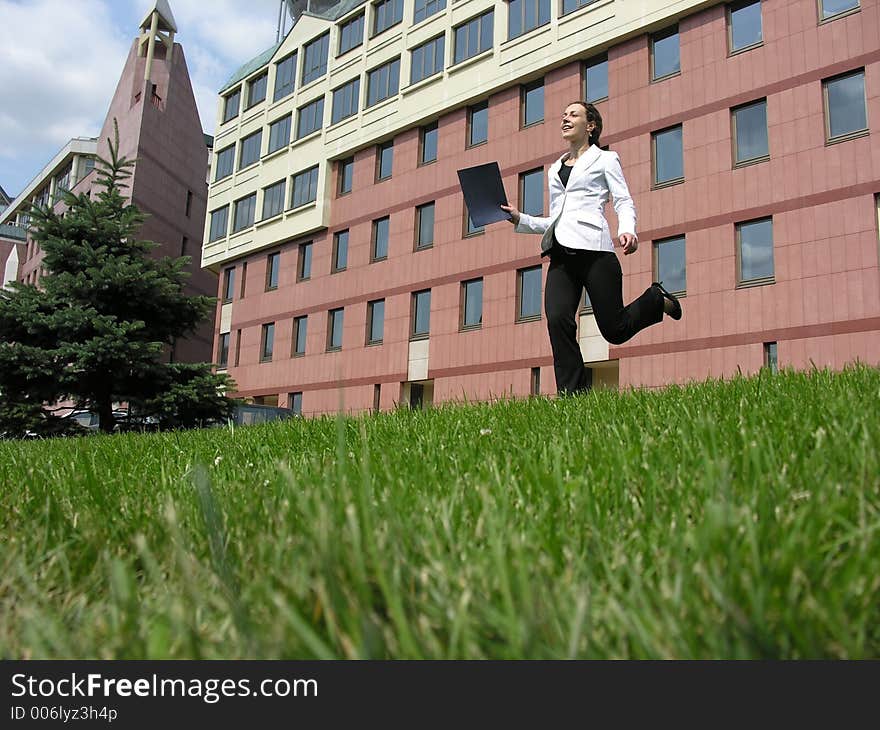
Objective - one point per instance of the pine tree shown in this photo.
(94, 331)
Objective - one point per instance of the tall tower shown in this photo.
(158, 26)
(159, 127)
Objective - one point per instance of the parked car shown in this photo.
(248, 414)
(91, 421)
(86, 419)
(135, 422)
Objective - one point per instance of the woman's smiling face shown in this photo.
(575, 127)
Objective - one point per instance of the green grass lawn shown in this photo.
(720, 520)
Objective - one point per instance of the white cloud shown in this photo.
(53, 72)
(233, 30)
(60, 61)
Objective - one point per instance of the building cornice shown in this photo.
(76, 146)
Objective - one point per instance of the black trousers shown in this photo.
(599, 271)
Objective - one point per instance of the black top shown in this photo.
(564, 174)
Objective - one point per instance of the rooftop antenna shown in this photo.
(281, 19)
(294, 10)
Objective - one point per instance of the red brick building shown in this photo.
(748, 134)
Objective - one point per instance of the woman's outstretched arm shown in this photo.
(526, 223)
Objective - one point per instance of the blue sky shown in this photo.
(59, 70)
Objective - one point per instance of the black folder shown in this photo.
(483, 193)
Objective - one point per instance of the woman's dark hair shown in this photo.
(592, 116)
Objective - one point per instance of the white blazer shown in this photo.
(577, 212)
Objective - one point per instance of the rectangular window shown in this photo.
(569, 6)
(528, 293)
(88, 166)
(471, 304)
(62, 181)
(383, 82)
(219, 223)
(668, 150)
(535, 382)
(474, 36)
(420, 318)
(478, 124)
(345, 100)
(340, 251)
(771, 359)
(189, 200)
(223, 350)
(237, 348)
(249, 151)
(351, 34)
(428, 143)
(228, 284)
(526, 15)
(416, 396)
(345, 171)
(427, 59)
(375, 322)
(377, 397)
(295, 403)
(754, 252)
(596, 79)
(384, 160)
(257, 89)
(41, 199)
(315, 58)
(310, 118)
(305, 187)
(846, 113)
(423, 9)
(669, 264)
(386, 13)
(832, 8)
(744, 27)
(279, 133)
(334, 329)
(225, 163)
(304, 262)
(267, 342)
(300, 328)
(531, 103)
(273, 265)
(285, 77)
(230, 105)
(380, 239)
(425, 225)
(877, 219)
(243, 279)
(531, 192)
(273, 199)
(665, 54)
(471, 228)
(245, 210)
(750, 139)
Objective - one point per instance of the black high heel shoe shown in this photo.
(676, 305)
